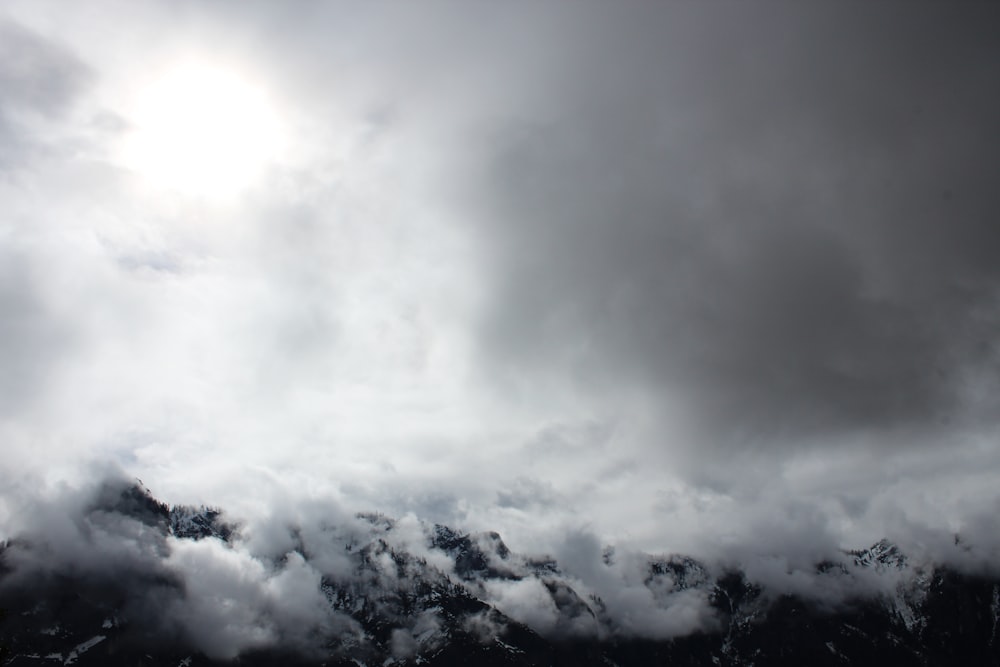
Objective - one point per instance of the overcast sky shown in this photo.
(683, 276)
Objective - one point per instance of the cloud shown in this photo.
(41, 81)
(405, 643)
(38, 76)
(706, 279)
(33, 337)
(635, 603)
(314, 579)
(234, 602)
(749, 237)
(221, 600)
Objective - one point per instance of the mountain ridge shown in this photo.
(393, 593)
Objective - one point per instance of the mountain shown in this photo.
(148, 584)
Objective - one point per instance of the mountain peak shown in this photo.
(883, 555)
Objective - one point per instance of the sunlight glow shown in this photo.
(201, 131)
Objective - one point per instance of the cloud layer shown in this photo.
(316, 580)
(710, 279)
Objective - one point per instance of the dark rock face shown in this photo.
(400, 606)
(134, 501)
(199, 522)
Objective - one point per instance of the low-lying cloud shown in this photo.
(305, 581)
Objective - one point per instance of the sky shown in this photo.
(713, 278)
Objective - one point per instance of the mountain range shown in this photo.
(171, 588)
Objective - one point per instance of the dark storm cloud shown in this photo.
(782, 220)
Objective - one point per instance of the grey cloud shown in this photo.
(36, 75)
(526, 493)
(784, 228)
(565, 438)
(38, 80)
(404, 643)
(635, 603)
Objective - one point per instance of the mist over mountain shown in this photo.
(111, 575)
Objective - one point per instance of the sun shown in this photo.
(202, 131)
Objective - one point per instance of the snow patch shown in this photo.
(82, 648)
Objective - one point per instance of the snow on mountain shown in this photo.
(882, 555)
(373, 590)
(199, 522)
